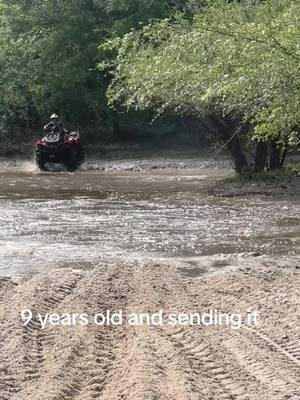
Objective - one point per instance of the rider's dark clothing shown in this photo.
(55, 127)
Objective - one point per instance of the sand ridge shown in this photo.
(151, 362)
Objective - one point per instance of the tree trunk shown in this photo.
(233, 144)
(283, 157)
(238, 157)
(275, 157)
(261, 157)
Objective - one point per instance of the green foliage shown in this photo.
(288, 171)
(237, 58)
(49, 52)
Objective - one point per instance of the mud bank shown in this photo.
(153, 362)
(289, 187)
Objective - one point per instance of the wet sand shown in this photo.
(153, 362)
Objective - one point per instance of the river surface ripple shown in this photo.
(50, 220)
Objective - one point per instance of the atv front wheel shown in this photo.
(72, 161)
(41, 161)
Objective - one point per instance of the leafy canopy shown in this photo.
(238, 58)
(49, 49)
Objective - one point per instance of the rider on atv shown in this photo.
(59, 146)
(55, 125)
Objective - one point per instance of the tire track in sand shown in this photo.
(24, 344)
(147, 362)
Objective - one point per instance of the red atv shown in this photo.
(64, 148)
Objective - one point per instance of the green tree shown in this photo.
(237, 62)
(49, 52)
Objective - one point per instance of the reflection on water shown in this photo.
(38, 233)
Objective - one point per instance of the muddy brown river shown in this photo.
(58, 219)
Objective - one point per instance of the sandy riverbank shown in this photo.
(157, 362)
(276, 187)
